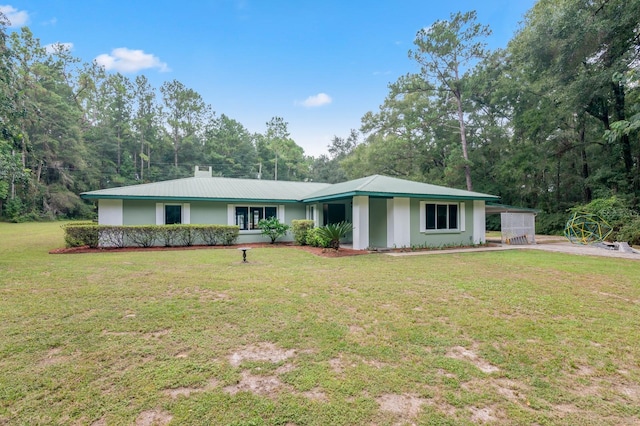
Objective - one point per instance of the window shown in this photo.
(247, 218)
(436, 217)
(172, 214)
(333, 213)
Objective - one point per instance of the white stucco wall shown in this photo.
(398, 222)
(479, 224)
(110, 212)
(360, 222)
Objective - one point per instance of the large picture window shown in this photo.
(247, 218)
(440, 217)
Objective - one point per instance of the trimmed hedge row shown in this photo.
(93, 235)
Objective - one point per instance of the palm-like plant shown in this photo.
(334, 232)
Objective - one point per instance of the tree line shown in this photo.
(549, 122)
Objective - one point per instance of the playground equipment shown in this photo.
(587, 228)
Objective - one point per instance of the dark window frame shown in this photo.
(441, 217)
(251, 215)
(171, 217)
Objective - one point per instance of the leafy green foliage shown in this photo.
(273, 228)
(80, 234)
(624, 221)
(300, 229)
(334, 232)
(142, 236)
(77, 234)
(316, 238)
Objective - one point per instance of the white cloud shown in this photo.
(55, 47)
(130, 61)
(17, 18)
(317, 100)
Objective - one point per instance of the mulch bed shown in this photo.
(318, 251)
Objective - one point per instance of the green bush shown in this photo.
(315, 238)
(624, 221)
(142, 236)
(229, 234)
(89, 234)
(112, 236)
(300, 228)
(210, 235)
(81, 234)
(630, 232)
(186, 235)
(168, 235)
(273, 228)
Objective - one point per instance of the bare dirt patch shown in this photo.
(512, 390)
(464, 354)
(405, 406)
(261, 352)
(262, 385)
(337, 365)
(153, 418)
(483, 415)
(53, 357)
(187, 391)
(316, 394)
(100, 422)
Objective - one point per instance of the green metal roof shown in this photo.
(384, 186)
(230, 190)
(212, 188)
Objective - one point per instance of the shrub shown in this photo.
(212, 235)
(209, 235)
(334, 232)
(630, 232)
(142, 236)
(229, 234)
(316, 239)
(186, 235)
(622, 219)
(111, 236)
(168, 234)
(300, 229)
(90, 234)
(81, 234)
(273, 228)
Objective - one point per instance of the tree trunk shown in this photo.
(587, 194)
(142, 158)
(625, 142)
(463, 140)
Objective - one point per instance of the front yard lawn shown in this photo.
(198, 337)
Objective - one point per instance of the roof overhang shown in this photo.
(395, 195)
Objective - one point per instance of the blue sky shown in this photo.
(320, 65)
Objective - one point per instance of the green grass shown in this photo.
(108, 337)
